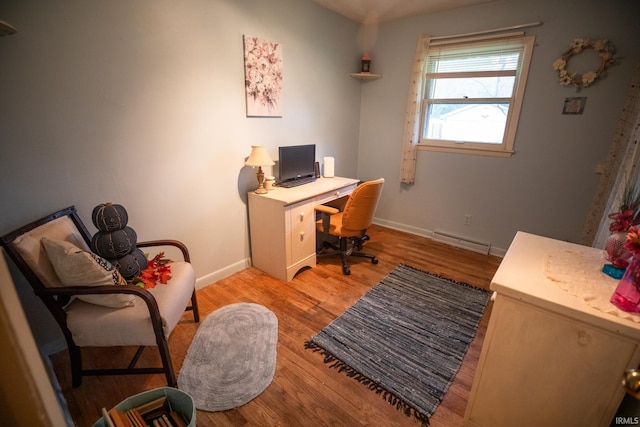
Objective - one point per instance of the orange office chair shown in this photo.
(350, 224)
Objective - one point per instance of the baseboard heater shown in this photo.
(461, 242)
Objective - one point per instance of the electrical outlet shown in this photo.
(467, 219)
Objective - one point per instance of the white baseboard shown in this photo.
(214, 276)
(403, 227)
(461, 242)
(499, 252)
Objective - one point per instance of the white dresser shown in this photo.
(282, 224)
(549, 358)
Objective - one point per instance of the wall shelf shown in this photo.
(366, 76)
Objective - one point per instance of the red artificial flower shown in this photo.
(158, 270)
(621, 220)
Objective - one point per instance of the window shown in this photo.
(473, 90)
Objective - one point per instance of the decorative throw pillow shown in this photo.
(76, 267)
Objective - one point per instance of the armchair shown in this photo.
(350, 224)
(146, 318)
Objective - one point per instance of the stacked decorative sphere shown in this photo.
(116, 241)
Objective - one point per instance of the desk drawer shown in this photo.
(334, 194)
(301, 232)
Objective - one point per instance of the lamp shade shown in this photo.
(259, 157)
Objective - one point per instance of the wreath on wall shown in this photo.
(603, 48)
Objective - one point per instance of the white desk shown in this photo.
(548, 358)
(282, 224)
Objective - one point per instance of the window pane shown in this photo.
(479, 87)
(460, 61)
(483, 123)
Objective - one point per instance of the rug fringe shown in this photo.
(390, 397)
(445, 278)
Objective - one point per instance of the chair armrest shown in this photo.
(145, 295)
(95, 290)
(326, 209)
(326, 212)
(175, 243)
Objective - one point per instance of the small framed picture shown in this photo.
(574, 105)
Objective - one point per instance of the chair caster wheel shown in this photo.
(374, 260)
(346, 271)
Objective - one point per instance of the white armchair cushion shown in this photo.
(133, 325)
(75, 267)
(30, 248)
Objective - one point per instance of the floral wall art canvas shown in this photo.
(263, 77)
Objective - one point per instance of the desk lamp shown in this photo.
(259, 157)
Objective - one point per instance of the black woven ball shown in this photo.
(109, 217)
(114, 244)
(131, 264)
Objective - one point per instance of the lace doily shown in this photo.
(579, 273)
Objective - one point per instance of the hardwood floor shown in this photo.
(304, 391)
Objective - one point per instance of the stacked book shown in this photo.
(157, 413)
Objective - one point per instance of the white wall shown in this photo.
(547, 186)
(142, 103)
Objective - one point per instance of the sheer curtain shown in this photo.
(411, 135)
(620, 167)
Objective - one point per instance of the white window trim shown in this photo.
(505, 149)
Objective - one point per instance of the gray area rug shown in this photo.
(405, 338)
(232, 358)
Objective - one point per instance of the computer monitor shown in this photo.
(296, 162)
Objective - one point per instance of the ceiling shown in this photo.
(376, 11)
